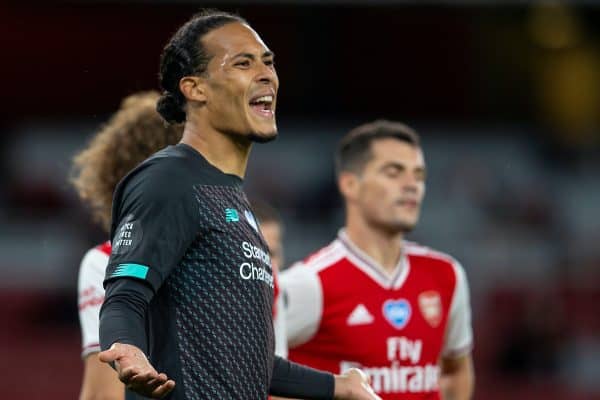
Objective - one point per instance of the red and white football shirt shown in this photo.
(344, 311)
(279, 327)
(91, 296)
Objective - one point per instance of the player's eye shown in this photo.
(270, 63)
(391, 172)
(420, 175)
(243, 64)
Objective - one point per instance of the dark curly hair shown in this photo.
(185, 55)
(131, 135)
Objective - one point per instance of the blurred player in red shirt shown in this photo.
(370, 299)
(271, 227)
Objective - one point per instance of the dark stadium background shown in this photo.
(505, 95)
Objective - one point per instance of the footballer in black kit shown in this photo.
(189, 285)
(186, 243)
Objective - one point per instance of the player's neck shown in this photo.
(383, 247)
(221, 150)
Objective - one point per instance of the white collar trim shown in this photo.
(372, 268)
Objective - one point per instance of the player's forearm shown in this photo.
(100, 382)
(457, 388)
(293, 380)
(457, 379)
(122, 318)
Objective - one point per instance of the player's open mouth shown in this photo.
(408, 203)
(263, 106)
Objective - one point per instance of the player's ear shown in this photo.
(348, 184)
(193, 88)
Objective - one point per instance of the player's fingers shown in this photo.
(361, 375)
(163, 389)
(143, 388)
(128, 373)
(371, 392)
(161, 379)
(109, 355)
(144, 378)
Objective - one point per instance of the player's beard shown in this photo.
(399, 227)
(405, 223)
(406, 227)
(261, 138)
(395, 227)
(252, 137)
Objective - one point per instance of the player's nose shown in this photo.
(409, 185)
(267, 75)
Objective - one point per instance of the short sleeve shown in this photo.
(156, 219)
(459, 333)
(90, 296)
(303, 293)
(279, 325)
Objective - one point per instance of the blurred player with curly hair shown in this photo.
(132, 134)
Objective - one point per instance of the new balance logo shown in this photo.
(360, 316)
(231, 215)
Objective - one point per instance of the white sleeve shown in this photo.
(90, 295)
(281, 348)
(303, 294)
(459, 333)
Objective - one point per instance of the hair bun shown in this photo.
(170, 109)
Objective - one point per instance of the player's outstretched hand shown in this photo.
(353, 385)
(136, 372)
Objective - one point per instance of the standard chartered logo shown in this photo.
(255, 252)
(258, 272)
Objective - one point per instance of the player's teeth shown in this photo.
(266, 99)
